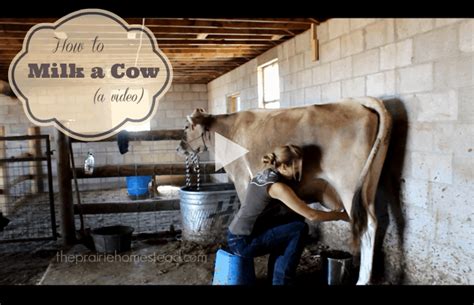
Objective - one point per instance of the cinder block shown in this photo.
(198, 87)
(420, 137)
(466, 105)
(341, 69)
(282, 52)
(454, 138)
(439, 22)
(174, 96)
(307, 78)
(438, 106)
(297, 98)
(183, 105)
(463, 170)
(254, 80)
(381, 84)
(13, 109)
(312, 95)
(365, 63)
(331, 92)
(408, 27)
(418, 222)
(297, 63)
(181, 87)
(379, 33)
(352, 43)
(466, 36)
(432, 167)
(244, 82)
(321, 74)
(323, 32)
(435, 44)
(357, 23)
(190, 96)
(308, 60)
(330, 50)
(290, 83)
(285, 99)
(354, 87)
(302, 42)
(415, 192)
(396, 55)
(454, 72)
(416, 78)
(338, 27)
(174, 114)
(453, 200)
(251, 93)
(291, 48)
(283, 67)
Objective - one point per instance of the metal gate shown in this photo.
(26, 197)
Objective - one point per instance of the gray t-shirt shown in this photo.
(257, 203)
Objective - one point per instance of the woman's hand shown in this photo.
(342, 215)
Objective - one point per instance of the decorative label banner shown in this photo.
(90, 74)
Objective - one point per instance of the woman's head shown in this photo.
(287, 159)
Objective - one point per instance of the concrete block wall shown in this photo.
(179, 101)
(423, 70)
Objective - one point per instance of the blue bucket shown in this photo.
(138, 185)
(233, 270)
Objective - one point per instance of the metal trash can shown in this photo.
(337, 267)
(207, 213)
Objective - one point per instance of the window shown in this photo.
(233, 103)
(269, 83)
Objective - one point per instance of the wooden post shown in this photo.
(4, 187)
(36, 166)
(314, 42)
(66, 207)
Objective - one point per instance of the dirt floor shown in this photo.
(25, 263)
(153, 260)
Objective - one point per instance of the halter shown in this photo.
(195, 160)
(195, 152)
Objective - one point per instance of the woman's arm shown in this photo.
(285, 194)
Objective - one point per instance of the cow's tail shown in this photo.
(359, 209)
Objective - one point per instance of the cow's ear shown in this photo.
(199, 117)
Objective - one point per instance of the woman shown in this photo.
(261, 226)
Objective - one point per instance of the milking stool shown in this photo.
(232, 269)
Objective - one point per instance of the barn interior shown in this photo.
(422, 70)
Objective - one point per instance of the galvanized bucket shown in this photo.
(207, 213)
(338, 267)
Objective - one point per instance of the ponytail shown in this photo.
(269, 159)
(286, 154)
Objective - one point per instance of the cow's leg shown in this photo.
(367, 244)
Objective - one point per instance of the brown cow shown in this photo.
(345, 144)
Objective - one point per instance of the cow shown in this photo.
(344, 144)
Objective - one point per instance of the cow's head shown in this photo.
(197, 137)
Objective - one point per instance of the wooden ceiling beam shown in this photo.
(224, 23)
(19, 31)
(155, 23)
(261, 20)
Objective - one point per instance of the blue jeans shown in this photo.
(284, 243)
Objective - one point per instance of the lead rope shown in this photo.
(195, 161)
(188, 176)
(197, 170)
